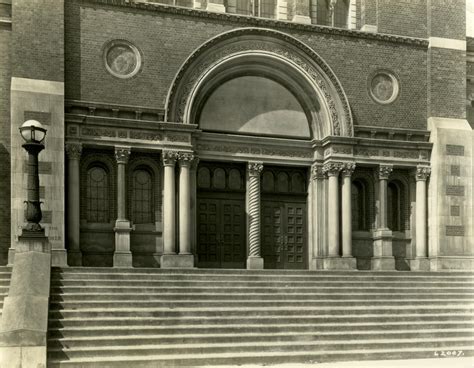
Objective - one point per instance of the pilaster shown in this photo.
(254, 260)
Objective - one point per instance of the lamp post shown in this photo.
(33, 133)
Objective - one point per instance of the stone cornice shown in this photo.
(262, 22)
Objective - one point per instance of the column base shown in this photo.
(383, 263)
(177, 261)
(420, 264)
(255, 263)
(301, 19)
(316, 264)
(340, 263)
(218, 8)
(74, 258)
(11, 256)
(123, 259)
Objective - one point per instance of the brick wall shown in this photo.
(37, 51)
(402, 17)
(447, 19)
(166, 40)
(5, 75)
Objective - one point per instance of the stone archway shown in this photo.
(262, 52)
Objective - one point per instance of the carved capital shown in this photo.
(185, 158)
(73, 151)
(422, 172)
(170, 157)
(122, 154)
(317, 171)
(195, 163)
(348, 168)
(385, 171)
(332, 168)
(255, 168)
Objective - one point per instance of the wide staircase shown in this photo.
(5, 275)
(106, 317)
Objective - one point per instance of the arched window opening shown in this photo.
(360, 206)
(394, 207)
(97, 197)
(142, 197)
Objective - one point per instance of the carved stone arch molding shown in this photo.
(273, 54)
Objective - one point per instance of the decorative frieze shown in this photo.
(385, 171)
(170, 157)
(74, 150)
(147, 136)
(261, 151)
(122, 154)
(177, 138)
(422, 172)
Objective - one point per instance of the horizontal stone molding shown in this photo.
(37, 86)
(447, 43)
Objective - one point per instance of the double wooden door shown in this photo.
(284, 234)
(221, 235)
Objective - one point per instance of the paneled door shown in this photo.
(284, 235)
(221, 233)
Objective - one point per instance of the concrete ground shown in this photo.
(466, 362)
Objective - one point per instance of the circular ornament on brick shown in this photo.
(122, 59)
(383, 87)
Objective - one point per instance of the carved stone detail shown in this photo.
(317, 171)
(332, 168)
(385, 171)
(255, 168)
(422, 172)
(122, 154)
(74, 150)
(170, 157)
(348, 168)
(185, 158)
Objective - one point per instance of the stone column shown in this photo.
(193, 173)
(301, 10)
(347, 171)
(74, 254)
(122, 254)
(318, 216)
(254, 260)
(332, 171)
(169, 209)
(383, 254)
(421, 261)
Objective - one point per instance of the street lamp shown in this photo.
(33, 133)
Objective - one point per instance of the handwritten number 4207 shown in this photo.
(449, 353)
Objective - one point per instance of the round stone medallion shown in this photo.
(384, 87)
(122, 59)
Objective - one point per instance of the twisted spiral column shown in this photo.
(254, 170)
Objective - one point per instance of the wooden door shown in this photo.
(221, 233)
(284, 235)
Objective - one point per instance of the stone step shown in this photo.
(301, 346)
(307, 297)
(240, 272)
(303, 312)
(267, 322)
(210, 331)
(139, 338)
(265, 358)
(232, 302)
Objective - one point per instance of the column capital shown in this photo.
(255, 168)
(348, 168)
(169, 157)
(317, 171)
(185, 159)
(332, 168)
(385, 171)
(122, 154)
(73, 150)
(195, 163)
(422, 172)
